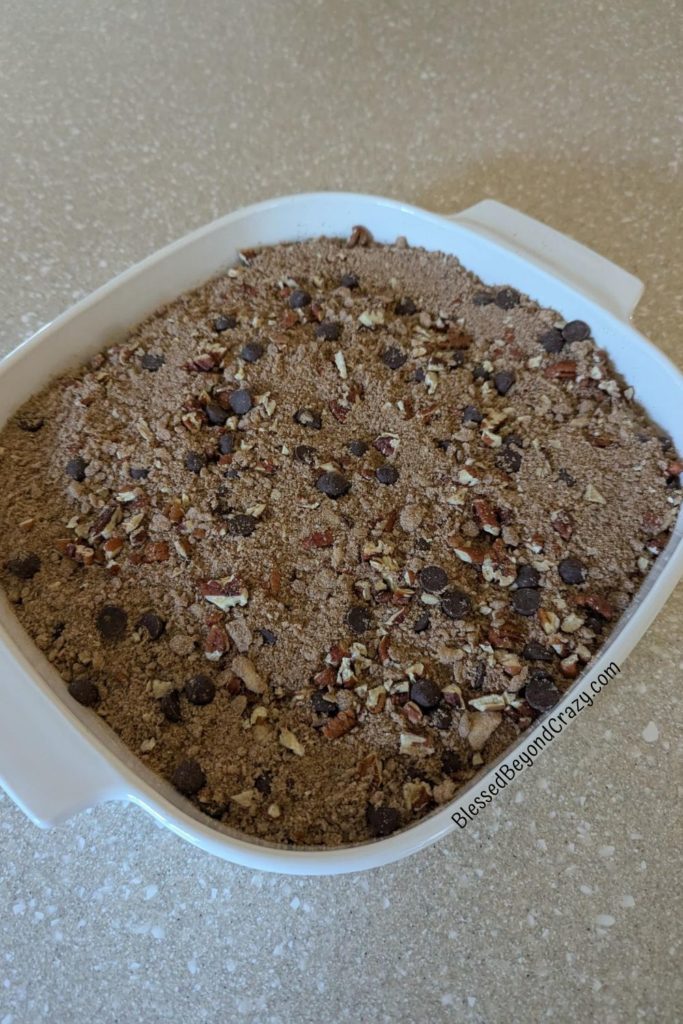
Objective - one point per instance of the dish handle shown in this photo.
(46, 766)
(582, 269)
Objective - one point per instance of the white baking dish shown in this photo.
(56, 758)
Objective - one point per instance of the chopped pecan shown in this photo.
(387, 444)
(360, 236)
(562, 523)
(192, 421)
(487, 516)
(339, 409)
(601, 440)
(216, 643)
(600, 605)
(336, 654)
(157, 551)
(507, 634)
(326, 677)
(175, 512)
(467, 553)
(205, 362)
(564, 370)
(224, 593)
(245, 670)
(339, 725)
(412, 712)
(318, 539)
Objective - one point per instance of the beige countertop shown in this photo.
(125, 125)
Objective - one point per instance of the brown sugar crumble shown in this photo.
(326, 534)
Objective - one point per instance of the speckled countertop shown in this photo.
(125, 125)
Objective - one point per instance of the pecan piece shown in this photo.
(562, 523)
(318, 539)
(339, 725)
(564, 370)
(224, 593)
(216, 643)
(600, 605)
(360, 236)
(486, 516)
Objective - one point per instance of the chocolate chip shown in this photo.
(552, 341)
(503, 381)
(471, 414)
(394, 357)
(572, 571)
(333, 484)
(482, 299)
(111, 622)
(433, 579)
(240, 401)
(85, 692)
(169, 705)
(425, 693)
(506, 298)
(525, 601)
(358, 619)
(226, 444)
(268, 637)
(479, 372)
(75, 468)
(25, 566)
(213, 809)
(188, 778)
(419, 375)
(328, 331)
(349, 281)
(441, 717)
(322, 706)
(305, 454)
(216, 414)
(138, 473)
(575, 330)
(241, 525)
(31, 424)
(224, 323)
(299, 298)
(566, 477)
(200, 690)
(406, 307)
(509, 460)
(541, 692)
(251, 352)
(533, 651)
(513, 439)
(383, 820)
(421, 624)
(262, 783)
(152, 361)
(455, 603)
(527, 576)
(386, 474)
(195, 461)
(308, 418)
(153, 624)
(451, 763)
(358, 448)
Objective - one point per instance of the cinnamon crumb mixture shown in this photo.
(326, 534)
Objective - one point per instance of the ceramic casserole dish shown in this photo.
(56, 758)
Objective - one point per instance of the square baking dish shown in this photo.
(57, 758)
